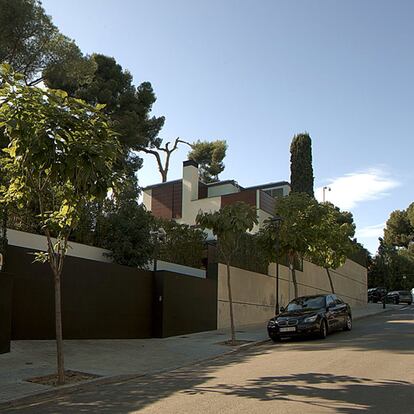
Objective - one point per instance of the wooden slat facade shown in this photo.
(167, 201)
(248, 196)
(267, 202)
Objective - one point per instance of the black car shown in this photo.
(376, 294)
(400, 296)
(311, 315)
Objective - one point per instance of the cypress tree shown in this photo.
(301, 170)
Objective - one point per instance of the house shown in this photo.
(181, 200)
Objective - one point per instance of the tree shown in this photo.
(156, 149)
(183, 244)
(399, 231)
(297, 231)
(301, 170)
(60, 155)
(389, 267)
(229, 224)
(333, 242)
(31, 43)
(127, 106)
(125, 231)
(209, 156)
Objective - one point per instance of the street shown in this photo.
(370, 369)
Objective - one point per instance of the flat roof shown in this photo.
(268, 185)
(149, 187)
(233, 182)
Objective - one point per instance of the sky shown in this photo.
(255, 73)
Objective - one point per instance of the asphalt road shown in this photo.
(368, 370)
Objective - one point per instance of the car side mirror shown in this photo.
(282, 309)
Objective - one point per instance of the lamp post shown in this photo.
(323, 192)
(276, 221)
(158, 235)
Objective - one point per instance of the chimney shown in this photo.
(190, 181)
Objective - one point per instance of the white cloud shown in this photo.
(354, 188)
(370, 232)
(369, 235)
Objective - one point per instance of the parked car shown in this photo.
(311, 315)
(400, 296)
(376, 294)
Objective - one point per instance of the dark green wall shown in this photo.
(105, 300)
(6, 282)
(99, 300)
(183, 304)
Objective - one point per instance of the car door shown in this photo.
(331, 316)
(342, 312)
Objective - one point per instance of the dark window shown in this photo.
(274, 192)
(329, 300)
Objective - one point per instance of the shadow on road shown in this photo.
(343, 394)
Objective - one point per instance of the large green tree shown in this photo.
(399, 230)
(33, 45)
(332, 244)
(301, 170)
(60, 155)
(128, 107)
(296, 233)
(229, 225)
(129, 111)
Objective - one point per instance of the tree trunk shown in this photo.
(330, 279)
(293, 274)
(233, 330)
(58, 326)
(295, 283)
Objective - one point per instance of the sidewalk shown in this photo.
(112, 359)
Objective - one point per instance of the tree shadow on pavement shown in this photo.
(339, 393)
(135, 394)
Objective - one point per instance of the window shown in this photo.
(274, 192)
(330, 300)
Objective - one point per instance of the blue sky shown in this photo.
(257, 72)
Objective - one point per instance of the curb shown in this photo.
(379, 312)
(69, 389)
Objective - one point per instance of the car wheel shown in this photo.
(396, 301)
(348, 323)
(323, 330)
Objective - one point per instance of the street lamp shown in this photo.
(323, 192)
(276, 221)
(158, 236)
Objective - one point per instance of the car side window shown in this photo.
(329, 300)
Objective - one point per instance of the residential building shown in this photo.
(181, 200)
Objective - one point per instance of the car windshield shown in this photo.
(315, 302)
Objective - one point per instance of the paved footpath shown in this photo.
(119, 360)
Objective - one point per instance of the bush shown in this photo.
(183, 244)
